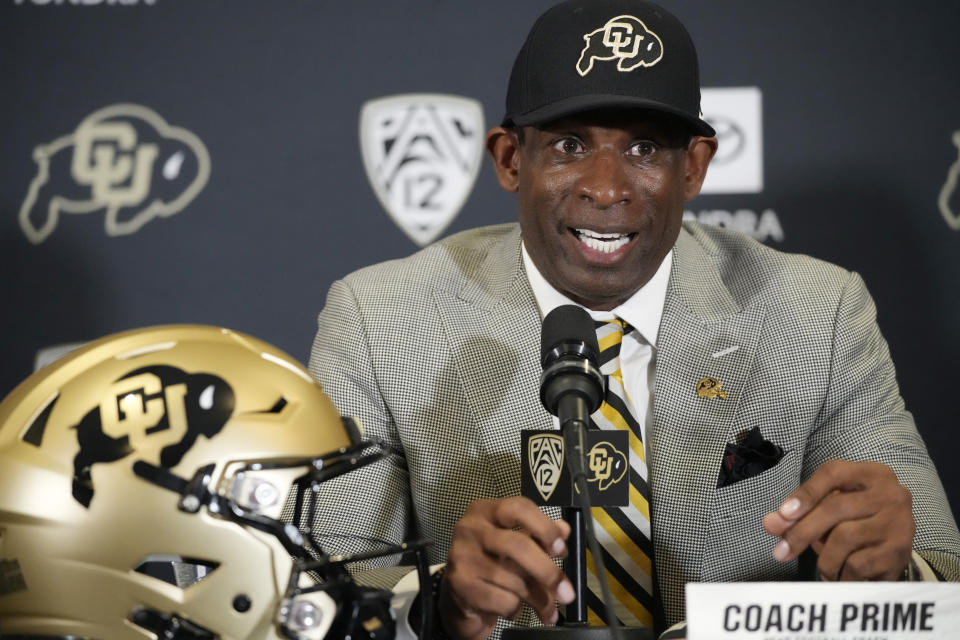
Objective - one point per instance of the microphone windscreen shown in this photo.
(568, 328)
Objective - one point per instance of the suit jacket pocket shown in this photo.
(761, 493)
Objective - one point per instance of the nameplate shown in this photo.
(545, 478)
(823, 611)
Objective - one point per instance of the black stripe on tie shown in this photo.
(618, 405)
(611, 352)
(640, 485)
(595, 605)
(627, 582)
(631, 530)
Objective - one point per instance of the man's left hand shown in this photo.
(856, 516)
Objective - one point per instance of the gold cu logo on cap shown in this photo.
(624, 39)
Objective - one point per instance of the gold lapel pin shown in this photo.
(710, 388)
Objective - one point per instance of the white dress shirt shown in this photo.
(642, 310)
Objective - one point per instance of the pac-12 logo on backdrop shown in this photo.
(949, 200)
(123, 160)
(422, 154)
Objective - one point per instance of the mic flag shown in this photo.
(546, 480)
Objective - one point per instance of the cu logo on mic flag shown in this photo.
(546, 480)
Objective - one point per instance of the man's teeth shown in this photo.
(604, 242)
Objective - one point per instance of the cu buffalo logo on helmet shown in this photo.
(624, 39)
(158, 407)
(124, 160)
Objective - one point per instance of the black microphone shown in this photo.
(571, 386)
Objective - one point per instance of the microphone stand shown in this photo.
(575, 566)
(571, 388)
(575, 625)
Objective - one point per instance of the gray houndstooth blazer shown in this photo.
(438, 354)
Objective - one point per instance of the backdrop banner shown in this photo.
(223, 161)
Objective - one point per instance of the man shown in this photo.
(438, 354)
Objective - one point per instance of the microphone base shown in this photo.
(576, 632)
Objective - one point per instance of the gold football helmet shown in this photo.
(142, 479)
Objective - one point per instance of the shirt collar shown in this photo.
(642, 310)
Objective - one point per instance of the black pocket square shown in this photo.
(752, 457)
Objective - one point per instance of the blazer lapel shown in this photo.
(493, 329)
(704, 333)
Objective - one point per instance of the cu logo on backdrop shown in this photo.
(123, 160)
(949, 200)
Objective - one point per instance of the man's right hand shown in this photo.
(500, 557)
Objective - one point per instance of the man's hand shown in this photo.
(855, 515)
(500, 557)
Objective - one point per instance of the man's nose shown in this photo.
(604, 181)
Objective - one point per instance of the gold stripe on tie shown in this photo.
(608, 341)
(623, 532)
(639, 502)
(632, 551)
(628, 609)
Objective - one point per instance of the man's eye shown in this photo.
(568, 145)
(643, 148)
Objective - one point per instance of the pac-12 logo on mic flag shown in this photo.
(546, 462)
(422, 154)
(545, 479)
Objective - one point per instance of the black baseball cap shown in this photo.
(591, 54)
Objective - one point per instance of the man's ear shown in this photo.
(699, 153)
(504, 149)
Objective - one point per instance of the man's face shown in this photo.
(601, 199)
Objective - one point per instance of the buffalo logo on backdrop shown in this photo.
(546, 462)
(949, 192)
(422, 154)
(160, 406)
(123, 161)
(624, 39)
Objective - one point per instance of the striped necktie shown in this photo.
(624, 533)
